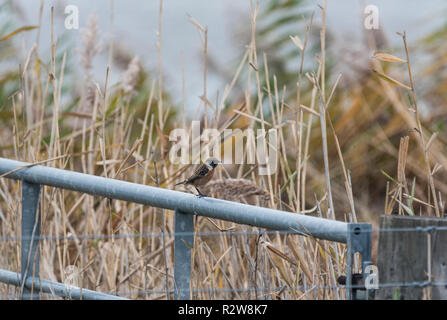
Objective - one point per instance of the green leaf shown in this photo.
(292, 177)
(391, 80)
(277, 23)
(407, 209)
(323, 255)
(389, 177)
(396, 294)
(12, 34)
(412, 194)
(187, 244)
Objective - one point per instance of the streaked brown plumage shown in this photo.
(202, 175)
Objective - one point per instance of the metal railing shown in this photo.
(357, 236)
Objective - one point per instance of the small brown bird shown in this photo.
(202, 175)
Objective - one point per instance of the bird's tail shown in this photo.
(182, 182)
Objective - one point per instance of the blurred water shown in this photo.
(136, 23)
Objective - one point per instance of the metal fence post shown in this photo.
(184, 241)
(30, 237)
(359, 240)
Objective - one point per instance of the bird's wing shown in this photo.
(200, 172)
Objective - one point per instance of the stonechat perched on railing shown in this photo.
(202, 175)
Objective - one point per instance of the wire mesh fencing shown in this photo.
(268, 267)
(245, 264)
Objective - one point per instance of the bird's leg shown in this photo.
(200, 195)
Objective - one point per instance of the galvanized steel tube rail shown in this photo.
(54, 288)
(169, 199)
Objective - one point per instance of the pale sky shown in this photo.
(136, 23)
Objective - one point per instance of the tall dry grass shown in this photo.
(335, 137)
